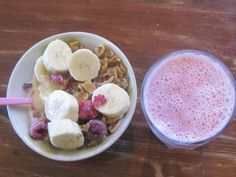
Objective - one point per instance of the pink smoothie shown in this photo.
(189, 97)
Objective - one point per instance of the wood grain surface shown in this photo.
(145, 30)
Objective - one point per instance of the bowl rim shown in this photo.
(103, 146)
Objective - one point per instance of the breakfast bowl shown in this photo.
(21, 116)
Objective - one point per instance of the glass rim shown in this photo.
(144, 108)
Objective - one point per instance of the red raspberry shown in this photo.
(38, 129)
(86, 110)
(56, 78)
(97, 130)
(99, 100)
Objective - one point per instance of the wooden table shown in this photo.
(145, 31)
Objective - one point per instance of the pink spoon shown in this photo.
(15, 101)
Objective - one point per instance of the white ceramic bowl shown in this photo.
(20, 115)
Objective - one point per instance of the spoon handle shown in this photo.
(15, 101)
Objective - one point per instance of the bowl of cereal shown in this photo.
(84, 96)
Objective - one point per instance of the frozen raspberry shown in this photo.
(86, 110)
(97, 130)
(99, 100)
(38, 129)
(56, 78)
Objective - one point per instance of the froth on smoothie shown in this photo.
(189, 97)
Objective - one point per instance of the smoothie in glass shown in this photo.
(188, 97)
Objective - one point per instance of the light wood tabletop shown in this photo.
(144, 30)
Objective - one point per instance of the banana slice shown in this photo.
(45, 86)
(65, 134)
(84, 65)
(117, 100)
(61, 105)
(57, 56)
(40, 70)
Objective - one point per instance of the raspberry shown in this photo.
(56, 78)
(38, 129)
(99, 100)
(97, 130)
(86, 110)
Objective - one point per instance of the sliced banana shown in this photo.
(65, 134)
(40, 70)
(45, 86)
(84, 65)
(117, 100)
(57, 56)
(61, 105)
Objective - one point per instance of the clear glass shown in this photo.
(171, 143)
